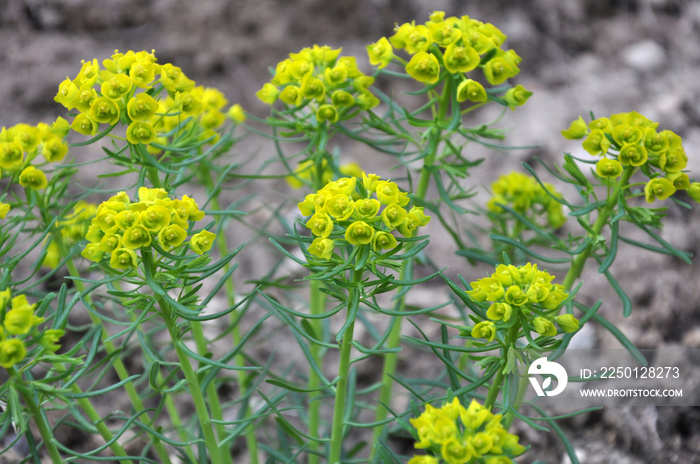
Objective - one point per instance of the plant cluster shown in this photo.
(527, 295)
(121, 227)
(319, 80)
(348, 209)
(459, 435)
(524, 195)
(19, 320)
(133, 250)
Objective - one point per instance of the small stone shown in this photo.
(646, 55)
(691, 339)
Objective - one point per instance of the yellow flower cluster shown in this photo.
(526, 196)
(19, 319)
(360, 213)
(72, 229)
(121, 227)
(458, 45)
(459, 435)
(108, 94)
(306, 171)
(332, 85)
(631, 139)
(22, 143)
(523, 291)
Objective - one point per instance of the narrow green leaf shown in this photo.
(617, 333)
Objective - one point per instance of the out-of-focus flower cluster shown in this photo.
(527, 197)
(128, 88)
(21, 144)
(18, 319)
(331, 85)
(360, 213)
(632, 140)
(458, 435)
(72, 229)
(121, 227)
(306, 172)
(523, 294)
(457, 45)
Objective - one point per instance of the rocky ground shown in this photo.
(578, 56)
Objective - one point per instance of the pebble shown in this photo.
(645, 55)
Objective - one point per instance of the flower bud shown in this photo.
(498, 70)
(485, 329)
(141, 107)
(54, 149)
(516, 96)
(236, 113)
(694, 191)
(320, 224)
(33, 178)
(171, 236)
(544, 326)
(380, 53)
(92, 252)
(19, 321)
(359, 233)
(124, 258)
(460, 58)
(154, 218)
(367, 208)
(136, 237)
(11, 155)
(12, 351)
(393, 215)
(322, 247)
(383, 241)
(104, 111)
(596, 143)
(608, 168)
(515, 296)
(327, 113)
(424, 67)
(471, 90)
(633, 154)
(567, 322)
(658, 188)
(140, 132)
(202, 242)
(499, 312)
(577, 129)
(50, 339)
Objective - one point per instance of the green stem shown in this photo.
(579, 261)
(90, 411)
(523, 384)
(109, 347)
(495, 388)
(40, 421)
(200, 404)
(343, 374)
(394, 338)
(173, 414)
(212, 394)
(389, 369)
(104, 431)
(152, 173)
(317, 303)
(242, 375)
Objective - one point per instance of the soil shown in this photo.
(579, 56)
